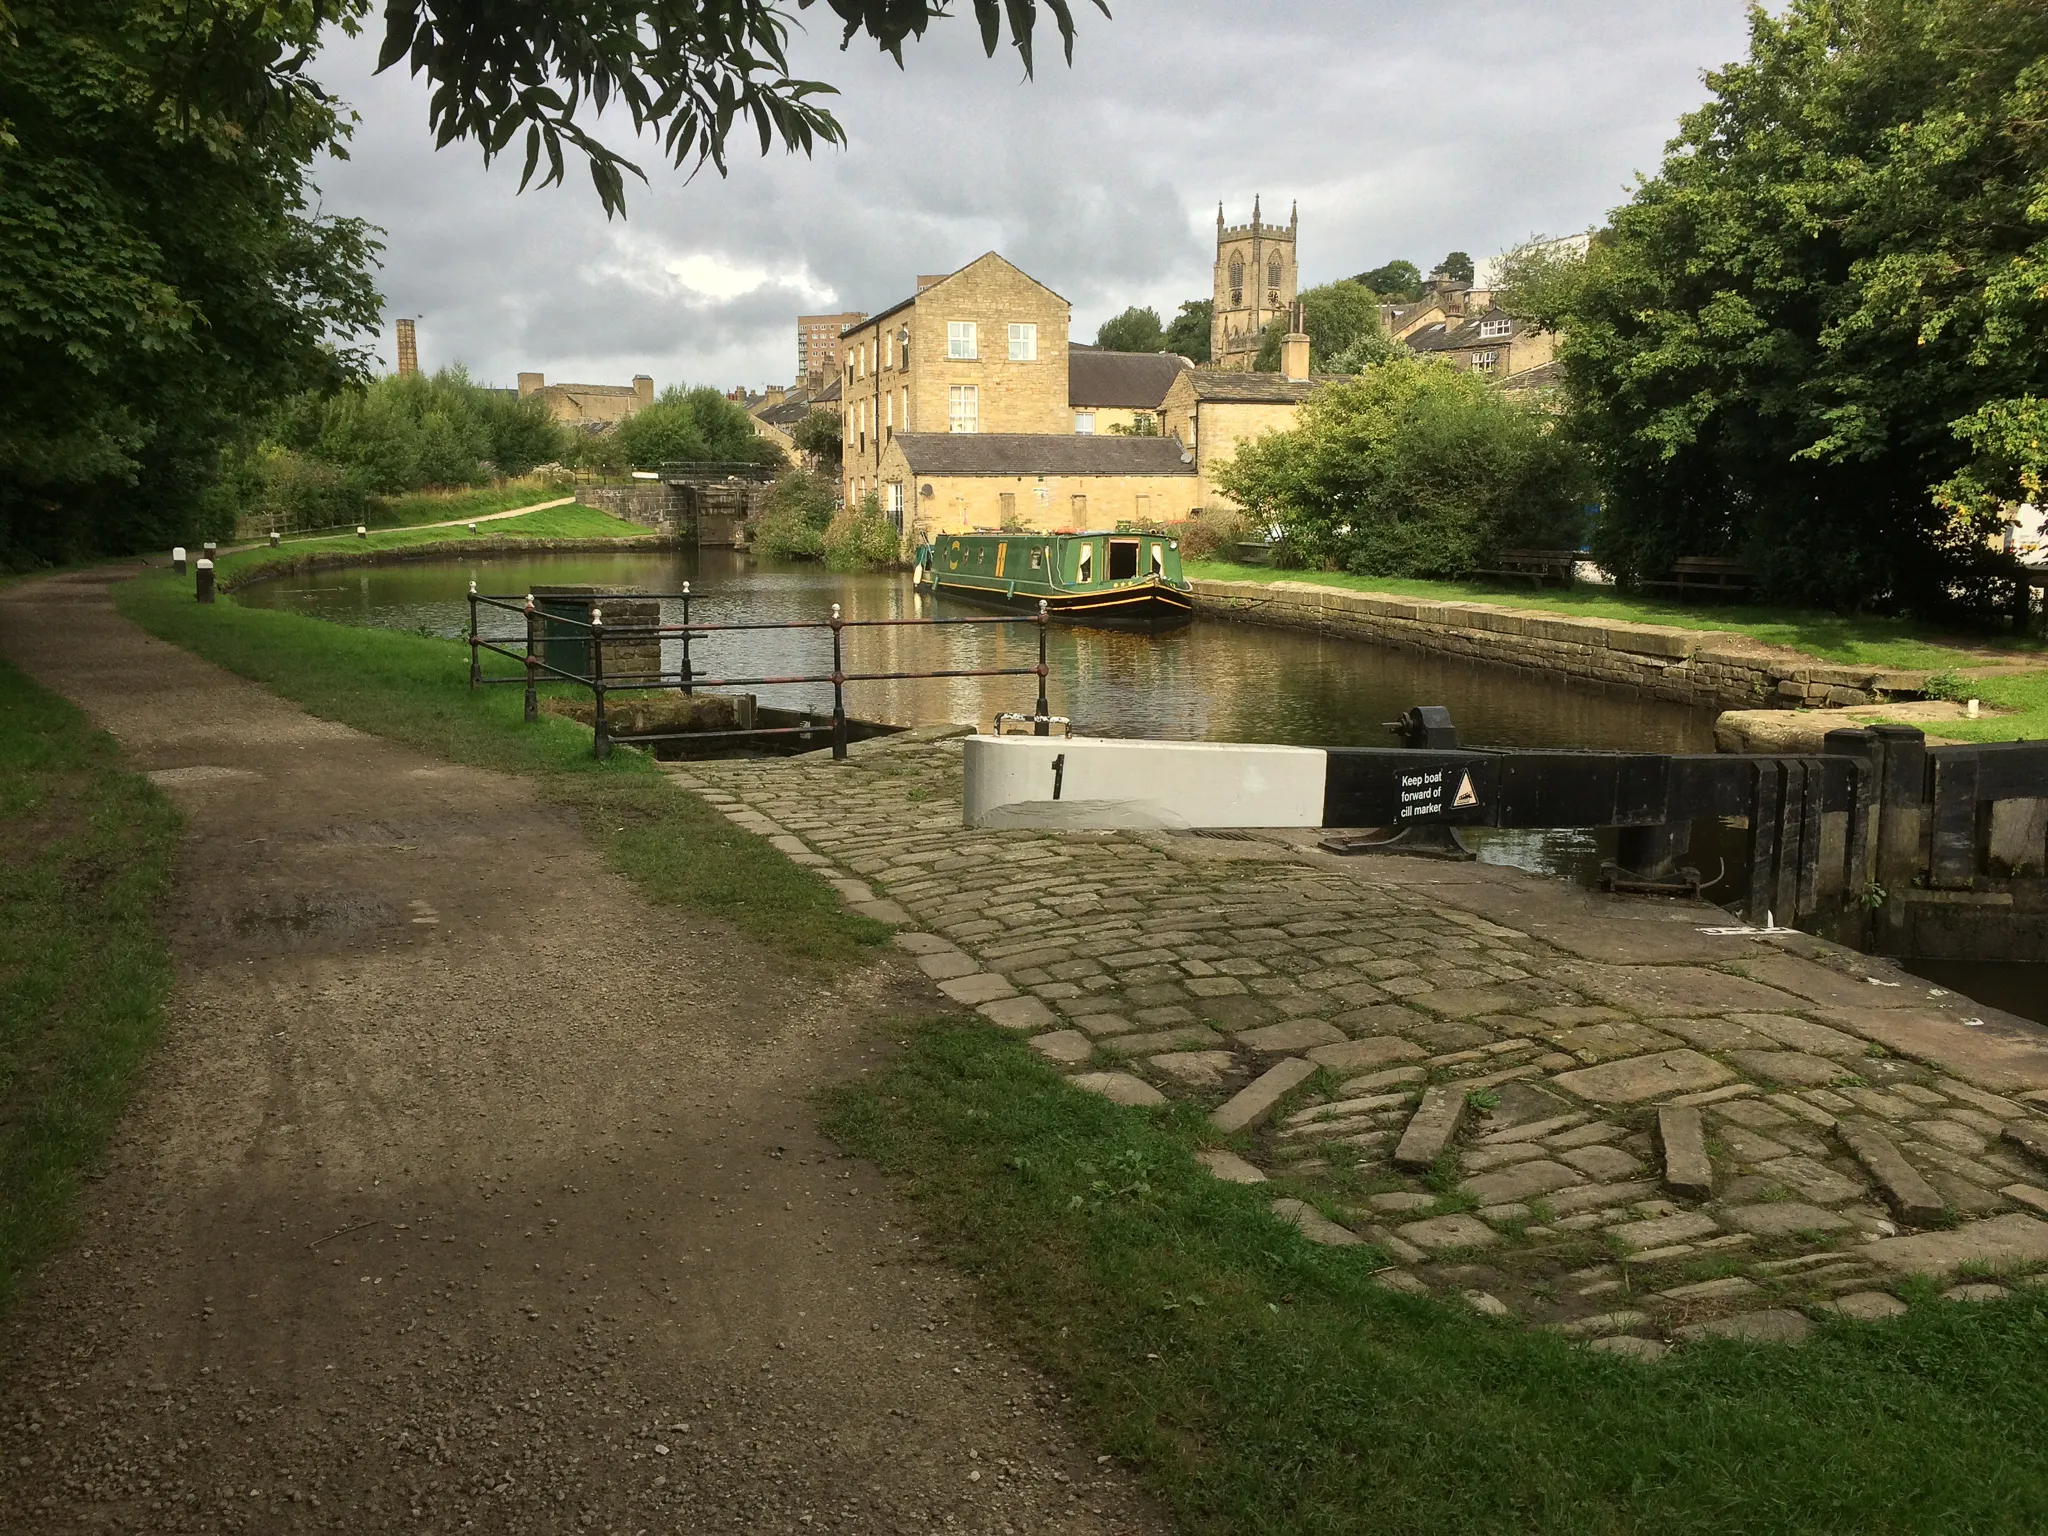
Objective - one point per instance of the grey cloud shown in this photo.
(1403, 129)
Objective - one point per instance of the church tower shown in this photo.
(1254, 285)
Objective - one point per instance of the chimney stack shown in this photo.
(1294, 346)
(773, 396)
(408, 350)
(532, 384)
(643, 391)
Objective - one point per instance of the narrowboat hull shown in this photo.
(1126, 579)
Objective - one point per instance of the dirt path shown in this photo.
(426, 1219)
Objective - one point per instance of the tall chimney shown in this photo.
(643, 391)
(408, 350)
(1294, 345)
(532, 384)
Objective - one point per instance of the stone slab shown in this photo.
(941, 965)
(1773, 1325)
(1465, 1002)
(1294, 1035)
(1595, 1197)
(1825, 986)
(1910, 1195)
(1256, 1100)
(1364, 1055)
(1314, 1225)
(1662, 1231)
(1997, 1242)
(1228, 1166)
(1592, 1043)
(1682, 1136)
(1995, 1060)
(1783, 1218)
(981, 987)
(1187, 1037)
(1606, 1164)
(2030, 1136)
(1197, 1069)
(1431, 1127)
(1437, 1234)
(1804, 1035)
(1119, 1088)
(1631, 1346)
(1813, 1179)
(1522, 1181)
(925, 943)
(1069, 1047)
(1645, 1077)
(1017, 1013)
(1677, 990)
(1794, 1069)
(1869, 1306)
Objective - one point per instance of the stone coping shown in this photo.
(1696, 664)
(490, 545)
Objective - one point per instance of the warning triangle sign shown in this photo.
(1465, 796)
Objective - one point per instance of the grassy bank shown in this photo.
(573, 521)
(1264, 1384)
(85, 855)
(1849, 640)
(418, 507)
(412, 689)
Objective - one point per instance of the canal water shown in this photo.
(1210, 681)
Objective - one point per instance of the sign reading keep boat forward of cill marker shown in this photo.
(1422, 794)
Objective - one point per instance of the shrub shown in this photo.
(693, 426)
(1214, 535)
(290, 492)
(794, 517)
(861, 538)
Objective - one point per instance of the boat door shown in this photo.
(1123, 559)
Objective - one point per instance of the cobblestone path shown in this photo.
(1575, 1111)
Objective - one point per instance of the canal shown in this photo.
(1211, 681)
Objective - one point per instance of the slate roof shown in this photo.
(1233, 387)
(1445, 337)
(799, 403)
(1121, 380)
(1040, 453)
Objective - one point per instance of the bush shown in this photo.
(1214, 535)
(693, 426)
(794, 517)
(861, 538)
(290, 492)
(420, 432)
(1413, 469)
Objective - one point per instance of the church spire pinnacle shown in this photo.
(1219, 216)
(1255, 210)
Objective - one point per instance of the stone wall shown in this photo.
(490, 545)
(1710, 668)
(650, 504)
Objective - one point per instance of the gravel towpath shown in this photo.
(428, 1218)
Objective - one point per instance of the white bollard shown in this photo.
(362, 532)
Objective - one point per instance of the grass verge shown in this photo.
(574, 521)
(419, 507)
(1849, 640)
(411, 689)
(85, 856)
(1264, 1384)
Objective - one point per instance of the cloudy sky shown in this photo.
(1402, 128)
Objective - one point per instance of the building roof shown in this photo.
(1041, 453)
(1446, 336)
(1129, 380)
(587, 389)
(1237, 386)
(925, 288)
(1542, 376)
(799, 403)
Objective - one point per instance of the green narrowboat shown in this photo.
(1125, 579)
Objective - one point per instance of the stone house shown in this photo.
(980, 350)
(954, 482)
(776, 417)
(1112, 390)
(593, 407)
(1213, 410)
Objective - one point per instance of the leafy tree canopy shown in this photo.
(1135, 330)
(1399, 281)
(1413, 469)
(1336, 315)
(1188, 334)
(1815, 338)
(692, 426)
(427, 431)
(1457, 267)
(819, 434)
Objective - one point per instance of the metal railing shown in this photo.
(532, 655)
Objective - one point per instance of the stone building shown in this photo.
(1254, 285)
(980, 350)
(590, 406)
(945, 482)
(776, 417)
(1464, 327)
(1112, 391)
(1212, 410)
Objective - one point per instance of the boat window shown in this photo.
(1158, 560)
(1085, 571)
(1123, 559)
(1037, 559)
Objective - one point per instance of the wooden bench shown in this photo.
(1540, 567)
(1715, 574)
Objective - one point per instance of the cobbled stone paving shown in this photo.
(1564, 1111)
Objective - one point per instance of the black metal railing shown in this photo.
(532, 652)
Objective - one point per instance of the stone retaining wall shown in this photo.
(336, 559)
(1710, 668)
(651, 505)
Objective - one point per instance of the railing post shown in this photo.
(1042, 726)
(600, 739)
(838, 692)
(532, 662)
(688, 687)
(475, 666)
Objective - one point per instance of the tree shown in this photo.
(1413, 469)
(1457, 267)
(1814, 339)
(1189, 333)
(163, 275)
(427, 430)
(686, 72)
(1399, 282)
(692, 426)
(1336, 315)
(1135, 330)
(820, 435)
